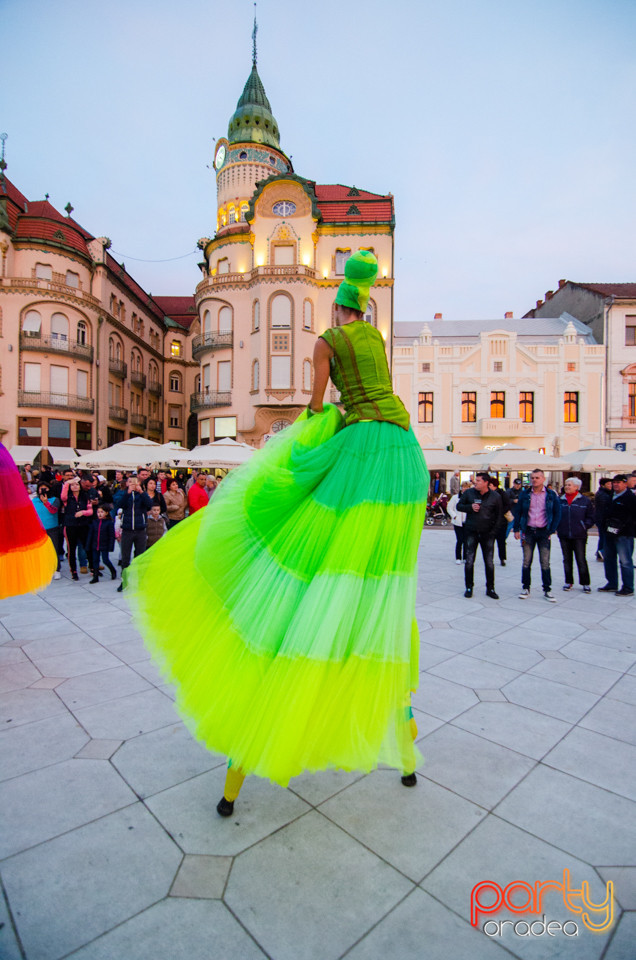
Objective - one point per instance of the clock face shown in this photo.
(220, 157)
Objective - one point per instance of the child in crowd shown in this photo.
(156, 525)
(101, 540)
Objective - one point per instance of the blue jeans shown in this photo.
(621, 549)
(536, 537)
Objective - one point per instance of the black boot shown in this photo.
(225, 808)
(409, 780)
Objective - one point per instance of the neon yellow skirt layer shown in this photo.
(283, 612)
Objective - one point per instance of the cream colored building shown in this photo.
(609, 311)
(87, 357)
(480, 384)
(270, 275)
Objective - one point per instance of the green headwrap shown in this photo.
(361, 269)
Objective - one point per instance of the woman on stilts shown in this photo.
(301, 577)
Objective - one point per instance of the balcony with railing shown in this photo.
(155, 426)
(118, 368)
(64, 401)
(210, 341)
(56, 344)
(138, 420)
(155, 388)
(138, 378)
(118, 413)
(210, 284)
(203, 400)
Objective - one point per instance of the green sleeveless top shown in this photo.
(359, 370)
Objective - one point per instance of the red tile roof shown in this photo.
(341, 204)
(16, 201)
(180, 309)
(623, 291)
(62, 231)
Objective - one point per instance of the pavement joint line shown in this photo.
(13, 925)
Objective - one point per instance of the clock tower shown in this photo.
(250, 152)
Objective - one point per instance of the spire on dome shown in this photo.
(253, 120)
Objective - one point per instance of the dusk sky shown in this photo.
(505, 130)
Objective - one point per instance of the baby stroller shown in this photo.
(437, 512)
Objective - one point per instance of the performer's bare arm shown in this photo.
(322, 355)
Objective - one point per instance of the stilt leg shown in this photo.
(233, 783)
(409, 779)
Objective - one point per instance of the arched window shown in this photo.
(231, 216)
(371, 314)
(308, 315)
(341, 258)
(255, 375)
(81, 332)
(223, 266)
(306, 374)
(244, 209)
(32, 323)
(280, 307)
(225, 320)
(72, 279)
(59, 327)
(207, 322)
(175, 381)
(136, 361)
(256, 315)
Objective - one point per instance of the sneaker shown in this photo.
(568, 586)
(549, 596)
(607, 589)
(525, 593)
(57, 575)
(587, 589)
(83, 569)
(468, 592)
(624, 592)
(458, 562)
(492, 594)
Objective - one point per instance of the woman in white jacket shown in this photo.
(457, 520)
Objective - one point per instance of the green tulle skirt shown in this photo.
(284, 611)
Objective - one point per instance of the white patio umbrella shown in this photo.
(600, 459)
(222, 453)
(444, 460)
(136, 452)
(170, 452)
(509, 458)
(27, 454)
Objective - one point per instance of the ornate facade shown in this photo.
(482, 384)
(270, 273)
(87, 357)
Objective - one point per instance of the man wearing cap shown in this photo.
(620, 527)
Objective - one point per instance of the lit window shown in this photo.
(425, 408)
(571, 407)
(175, 348)
(469, 407)
(571, 367)
(632, 400)
(497, 404)
(526, 406)
(224, 427)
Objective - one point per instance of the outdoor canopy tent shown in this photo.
(600, 460)
(28, 453)
(224, 454)
(517, 458)
(438, 458)
(126, 455)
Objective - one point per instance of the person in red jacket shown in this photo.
(197, 497)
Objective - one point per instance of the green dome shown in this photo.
(253, 120)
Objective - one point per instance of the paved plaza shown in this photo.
(112, 849)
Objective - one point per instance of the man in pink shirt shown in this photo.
(538, 515)
(197, 497)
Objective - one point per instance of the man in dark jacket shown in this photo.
(577, 516)
(483, 509)
(502, 530)
(620, 527)
(537, 518)
(136, 506)
(602, 500)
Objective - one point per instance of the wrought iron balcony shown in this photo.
(118, 368)
(138, 420)
(65, 401)
(54, 344)
(138, 378)
(155, 388)
(155, 426)
(209, 398)
(210, 341)
(118, 413)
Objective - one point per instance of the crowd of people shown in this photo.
(483, 514)
(85, 515)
